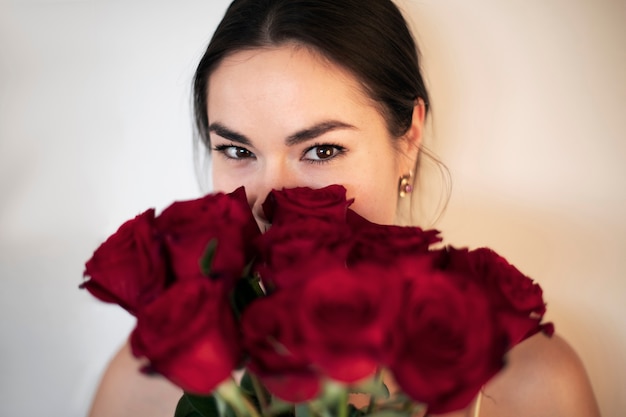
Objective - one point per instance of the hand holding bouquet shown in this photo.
(313, 309)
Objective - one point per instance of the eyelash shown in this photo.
(224, 148)
(340, 150)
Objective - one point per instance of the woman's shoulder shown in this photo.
(543, 377)
(124, 391)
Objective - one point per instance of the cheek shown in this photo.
(376, 201)
(222, 180)
(375, 186)
(226, 187)
(381, 210)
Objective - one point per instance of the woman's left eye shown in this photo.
(322, 153)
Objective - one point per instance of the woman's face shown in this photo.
(285, 117)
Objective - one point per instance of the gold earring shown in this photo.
(405, 187)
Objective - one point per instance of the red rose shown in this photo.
(189, 226)
(288, 205)
(277, 349)
(286, 248)
(517, 300)
(128, 268)
(519, 291)
(189, 335)
(347, 316)
(385, 243)
(447, 345)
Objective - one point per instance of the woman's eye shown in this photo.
(233, 152)
(321, 153)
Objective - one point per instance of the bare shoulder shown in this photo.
(544, 377)
(124, 391)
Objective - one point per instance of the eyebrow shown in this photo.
(300, 136)
(316, 131)
(221, 130)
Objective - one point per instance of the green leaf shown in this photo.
(373, 386)
(223, 408)
(246, 383)
(355, 412)
(400, 400)
(247, 387)
(191, 405)
(230, 393)
(302, 410)
(247, 271)
(185, 409)
(332, 392)
(255, 282)
(207, 257)
(280, 407)
(400, 405)
(243, 294)
(390, 413)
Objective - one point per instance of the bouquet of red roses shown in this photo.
(313, 309)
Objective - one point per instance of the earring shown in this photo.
(405, 187)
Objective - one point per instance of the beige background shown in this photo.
(529, 104)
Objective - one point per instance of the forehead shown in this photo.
(289, 77)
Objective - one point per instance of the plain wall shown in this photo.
(529, 99)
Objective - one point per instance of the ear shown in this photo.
(412, 139)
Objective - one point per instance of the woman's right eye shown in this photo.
(233, 152)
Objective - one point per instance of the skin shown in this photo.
(273, 125)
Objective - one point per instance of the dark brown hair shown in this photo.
(370, 38)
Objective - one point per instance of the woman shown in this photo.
(318, 92)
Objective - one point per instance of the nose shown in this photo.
(272, 175)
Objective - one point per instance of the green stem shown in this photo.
(260, 393)
(253, 412)
(230, 393)
(343, 404)
(379, 380)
